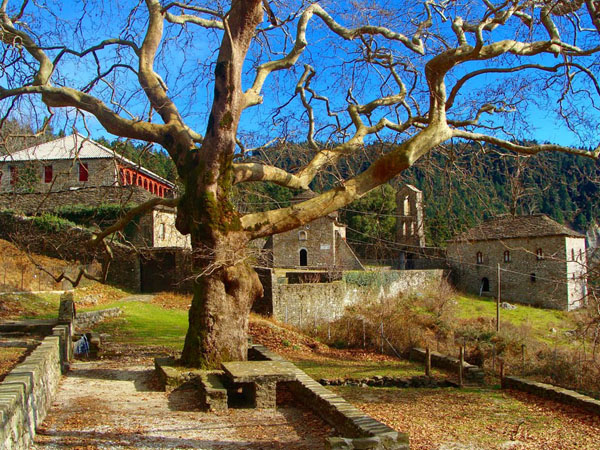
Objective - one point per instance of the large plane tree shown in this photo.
(203, 78)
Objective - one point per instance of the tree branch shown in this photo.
(129, 216)
(525, 149)
(246, 172)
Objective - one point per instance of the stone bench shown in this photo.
(259, 379)
(212, 391)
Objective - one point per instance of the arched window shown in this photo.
(539, 254)
(479, 258)
(485, 285)
(506, 256)
(303, 257)
(532, 278)
(580, 255)
(406, 206)
(572, 254)
(302, 235)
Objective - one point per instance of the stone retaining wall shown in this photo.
(88, 319)
(307, 304)
(30, 203)
(553, 393)
(471, 372)
(28, 390)
(359, 430)
(70, 245)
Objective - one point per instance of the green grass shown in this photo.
(146, 324)
(331, 368)
(33, 306)
(540, 320)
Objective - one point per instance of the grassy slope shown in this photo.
(539, 320)
(146, 324)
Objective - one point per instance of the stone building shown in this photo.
(541, 262)
(320, 244)
(74, 162)
(75, 170)
(410, 233)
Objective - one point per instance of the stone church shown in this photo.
(318, 245)
(540, 261)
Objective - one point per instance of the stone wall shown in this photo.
(306, 304)
(553, 393)
(309, 303)
(526, 278)
(88, 319)
(166, 269)
(446, 362)
(316, 238)
(165, 233)
(65, 175)
(345, 257)
(323, 240)
(69, 245)
(27, 392)
(30, 203)
(359, 431)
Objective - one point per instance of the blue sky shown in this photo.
(190, 83)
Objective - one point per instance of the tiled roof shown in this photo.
(510, 227)
(75, 146)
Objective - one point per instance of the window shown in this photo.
(506, 256)
(580, 255)
(163, 230)
(47, 174)
(14, 175)
(539, 254)
(302, 236)
(479, 258)
(532, 278)
(83, 172)
(572, 254)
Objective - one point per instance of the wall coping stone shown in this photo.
(27, 391)
(551, 392)
(363, 431)
(472, 372)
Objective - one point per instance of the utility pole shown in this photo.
(498, 302)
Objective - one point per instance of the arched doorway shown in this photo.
(303, 257)
(485, 285)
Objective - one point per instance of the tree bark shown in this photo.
(227, 286)
(223, 296)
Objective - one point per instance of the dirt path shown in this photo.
(112, 405)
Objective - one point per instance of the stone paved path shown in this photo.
(112, 405)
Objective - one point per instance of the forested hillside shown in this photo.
(461, 187)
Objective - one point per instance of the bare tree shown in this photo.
(418, 74)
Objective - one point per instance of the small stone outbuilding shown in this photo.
(541, 262)
(318, 245)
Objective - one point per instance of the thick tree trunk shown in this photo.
(223, 296)
(227, 286)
